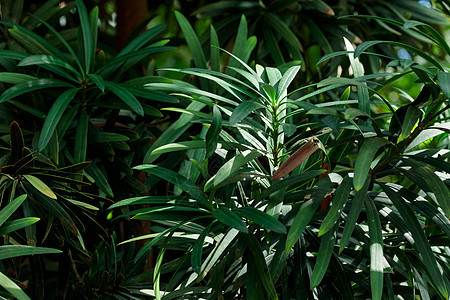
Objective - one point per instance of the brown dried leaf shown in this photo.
(296, 159)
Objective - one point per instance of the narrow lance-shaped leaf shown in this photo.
(219, 249)
(212, 135)
(353, 215)
(100, 179)
(437, 186)
(363, 46)
(261, 218)
(323, 258)
(81, 137)
(364, 159)
(444, 83)
(261, 266)
(30, 86)
(180, 146)
(286, 80)
(54, 115)
(17, 224)
(48, 60)
(88, 39)
(12, 288)
(178, 180)
(9, 251)
(196, 256)
(306, 213)
(98, 80)
(173, 132)
(40, 186)
(412, 116)
(358, 70)
(376, 250)
(296, 159)
(243, 110)
(230, 167)
(9, 209)
(15, 78)
(157, 269)
(126, 96)
(230, 218)
(421, 243)
(339, 201)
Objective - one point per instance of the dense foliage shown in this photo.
(304, 153)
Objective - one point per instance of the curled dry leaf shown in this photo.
(296, 159)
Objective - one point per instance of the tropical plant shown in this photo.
(12, 249)
(88, 93)
(249, 229)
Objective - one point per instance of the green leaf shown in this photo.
(339, 201)
(306, 213)
(31, 41)
(270, 91)
(421, 243)
(157, 269)
(352, 113)
(142, 39)
(412, 116)
(212, 135)
(282, 184)
(48, 60)
(9, 209)
(287, 79)
(243, 110)
(179, 146)
(323, 257)
(230, 167)
(9, 251)
(61, 39)
(12, 288)
(111, 66)
(100, 179)
(261, 266)
(178, 180)
(17, 224)
(54, 115)
(355, 210)
(363, 46)
(230, 218)
(173, 132)
(15, 78)
(283, 30)
(40, 186)
(32, 85)
(81, 137)
(240, 44)
(193, 44)
(196, 256)
(93, 24)
(125, 96)
(444, 82)
(434, 182)
(217, 253)
(88, 40)
(365, 158)
(215, 52)
(358, 71)
(98, 80)
(105, 137)
(376, 250)
(261, 218)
